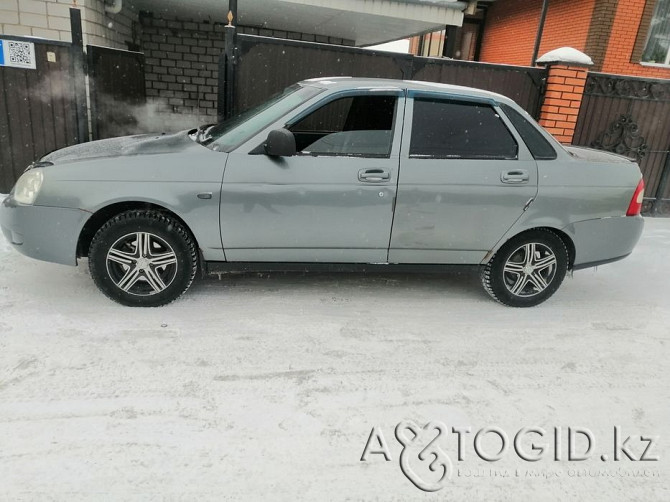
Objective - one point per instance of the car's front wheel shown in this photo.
(143, 258)
(527, 269)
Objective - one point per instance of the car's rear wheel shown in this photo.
(143, 258)
(527, 269)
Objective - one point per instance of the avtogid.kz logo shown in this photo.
(413, 439)
(424, 461)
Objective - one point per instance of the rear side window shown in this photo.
(539, 147)
(460, 130)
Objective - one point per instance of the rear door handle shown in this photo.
(515, 177)
(374, 175)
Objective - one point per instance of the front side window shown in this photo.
(228, 135)
(657, 48)
(350, 126)
(447, 129)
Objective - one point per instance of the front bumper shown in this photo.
(43, 233)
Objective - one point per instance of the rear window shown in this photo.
(460, 130)
(539, 147)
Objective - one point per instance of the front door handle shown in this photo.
(374, 175)
(515, 177)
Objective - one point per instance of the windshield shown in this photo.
(231, 133)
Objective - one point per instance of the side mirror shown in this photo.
(280, 143)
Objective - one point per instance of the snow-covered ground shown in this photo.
(267, 387)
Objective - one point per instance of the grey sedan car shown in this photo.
(341, 174)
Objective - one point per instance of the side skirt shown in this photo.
(223, 267)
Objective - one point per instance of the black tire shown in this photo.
(527, 269)
(155, 275)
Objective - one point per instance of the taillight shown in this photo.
(635, 206)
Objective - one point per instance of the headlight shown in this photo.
(28, 186)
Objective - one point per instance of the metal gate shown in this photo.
(266, 65)
(43, 103)
(37, 108)
(117, 91)
(630, 116)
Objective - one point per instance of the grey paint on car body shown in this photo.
(439, 217)
(309, 208)
(315, 208)
(168, 171)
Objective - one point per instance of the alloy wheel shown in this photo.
(141, 263)
(530, 269)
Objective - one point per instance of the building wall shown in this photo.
(629, 24)
(51, 19)
(612, 32)
(181, 67)
(509, 33)
(599, 32)
(428, 45)
(511, 28)
(181, 72)
(567, 25)
(108, 30)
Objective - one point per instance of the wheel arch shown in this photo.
(104, 214)
(567, 240)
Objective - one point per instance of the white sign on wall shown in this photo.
(17, 54)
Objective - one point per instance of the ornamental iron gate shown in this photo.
(630, 116)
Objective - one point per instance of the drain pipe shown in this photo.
(114, 7)
(540, 29)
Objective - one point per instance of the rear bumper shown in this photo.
(598, 263)
(604, 240)
(43, 233)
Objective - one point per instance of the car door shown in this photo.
(465, 178)
(333, 200)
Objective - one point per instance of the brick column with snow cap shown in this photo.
(567, 71)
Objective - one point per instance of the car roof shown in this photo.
(411, 85)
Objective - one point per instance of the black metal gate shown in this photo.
(266, 65)
(44, 108)
(37, 108)
(117, 91)
(630, 116)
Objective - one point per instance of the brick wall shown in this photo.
(105, 29)
(630, 22)
(567, 25)
(509, 33)
(511, 28)
(181, 71)
(38, 18)
(562, 100)
(51, 19)
(181, 67)
(612, 32)
(600, 31)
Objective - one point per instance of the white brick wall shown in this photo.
(51, 19)
(102, 28)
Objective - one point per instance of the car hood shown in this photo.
(144, 144)
(592, 155)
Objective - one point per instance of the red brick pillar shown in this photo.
(566, 79)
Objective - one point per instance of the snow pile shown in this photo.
(566, 55)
